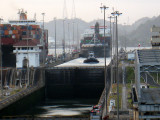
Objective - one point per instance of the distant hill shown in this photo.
(139, 32)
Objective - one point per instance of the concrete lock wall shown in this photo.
(23, 104)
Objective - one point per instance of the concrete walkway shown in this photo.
(124, 98)
(124, 89)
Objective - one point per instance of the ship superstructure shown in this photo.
(94, 40)
(17, 36)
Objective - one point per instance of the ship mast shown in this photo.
(22, 14)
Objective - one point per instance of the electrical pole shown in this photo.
(125, 38)
(73, 35)
(77, 38)
(55, 40)
(43, 14)
(1, 60)
(69, 37)
(73, 16)
(63, 40)
(116, 14)
(27, 55)
(111, 44)
(105, 68)
(113, 50)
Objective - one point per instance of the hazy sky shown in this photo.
(87, 10)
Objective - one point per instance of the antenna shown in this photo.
(65, 10)
(73, 16)
(18, 11)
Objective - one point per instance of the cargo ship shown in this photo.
(94, 40)
(19, 37)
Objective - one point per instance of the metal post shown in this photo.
(27, 56)
(105, 68)
(55, 40)
(43, 40)
(117, 70)
(125, 39)
(117, 74)
(1, 61)
(113, 45)
(157, 77)
(63, 40)
(146, 77)
(111, 49)
(73, 35)
(69, 37)
(114, 48)
(77, 38)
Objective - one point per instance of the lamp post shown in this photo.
(77, 38)
(125, 38)
(1, 61)
(111, 44)
(113, 49)
(105, 68)
(73, 36)
(63, 40)
(43, 14)
(27, 56)
(69, 37)
(55, 40)
(116, 14)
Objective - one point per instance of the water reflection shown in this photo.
(63, 108)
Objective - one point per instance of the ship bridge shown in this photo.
(23, 19)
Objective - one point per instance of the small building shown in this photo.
(27, 50)
(131, 56)
(155, 39)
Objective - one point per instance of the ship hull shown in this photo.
(98, 51)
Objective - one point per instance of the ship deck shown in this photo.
(79, 63)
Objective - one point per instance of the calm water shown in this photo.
(52, 108)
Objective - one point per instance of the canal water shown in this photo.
(63, 108)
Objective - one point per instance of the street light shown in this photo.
(43, 14)
(111, 44)
(1, 60)
(73, 36)
(55, 39)
(116, 13)
(105, 70)
(69, 36)
(125, 37)
(27, 84)
(77, 38)
(63, 40)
